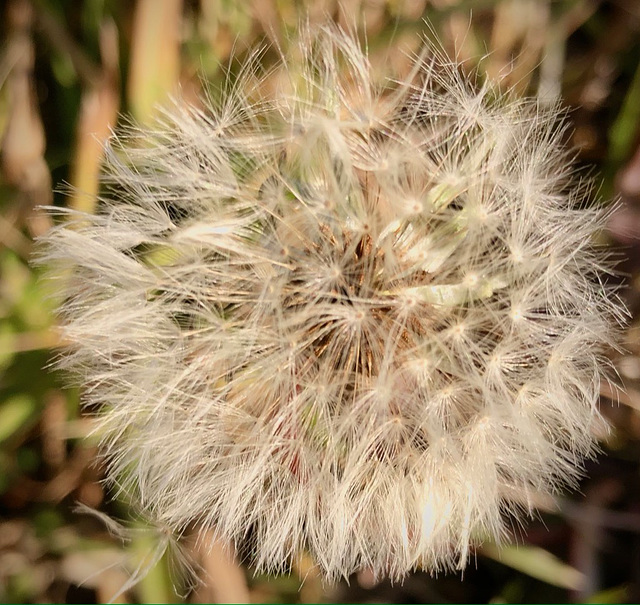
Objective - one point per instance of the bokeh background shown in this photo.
(70, 68)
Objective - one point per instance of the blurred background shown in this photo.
(70, 68)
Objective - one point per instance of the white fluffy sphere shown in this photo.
(362, 321)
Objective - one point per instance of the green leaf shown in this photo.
(617, 594)
(537, 563)
(7, 345)
(623, 131)
(15, 414)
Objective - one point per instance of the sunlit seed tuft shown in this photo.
(363, 321)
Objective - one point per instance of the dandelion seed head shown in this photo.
(355, 318)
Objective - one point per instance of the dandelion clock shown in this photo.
(357, 320)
